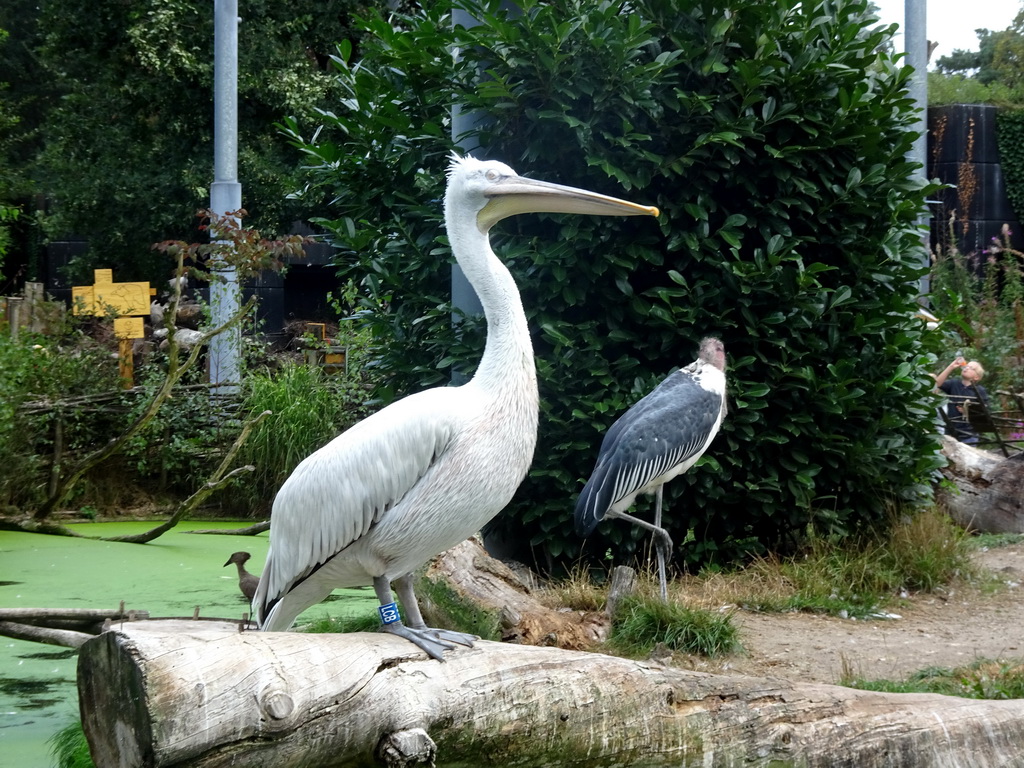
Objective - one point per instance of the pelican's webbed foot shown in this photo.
(432, 641)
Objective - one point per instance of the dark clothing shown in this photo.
(958, 394)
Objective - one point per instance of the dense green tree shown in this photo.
(10, 180)
(1008, 55)
(998, 59)
(772, 135)
(123, 150)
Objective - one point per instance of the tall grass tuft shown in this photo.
(578, 591)
(641, 623)
(368, 622)
(69, 747)
(308, 409)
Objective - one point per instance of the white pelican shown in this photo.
(660, 437)
(428, 471)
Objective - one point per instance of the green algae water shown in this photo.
(167, 577)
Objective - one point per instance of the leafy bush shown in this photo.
(773, 136)
(37, 368)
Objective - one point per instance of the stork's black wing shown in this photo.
(672, 424)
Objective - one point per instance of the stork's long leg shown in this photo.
(659, 545)
(662, 541)
(434, 641)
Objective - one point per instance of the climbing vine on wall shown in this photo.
(1010, 138)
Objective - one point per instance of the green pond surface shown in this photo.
(167, 577)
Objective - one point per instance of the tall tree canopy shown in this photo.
(121, 120)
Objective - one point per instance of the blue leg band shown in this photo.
(389, 613)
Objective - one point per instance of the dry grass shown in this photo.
(852, 577)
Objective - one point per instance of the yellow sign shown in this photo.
(106, 296)
(128, 328)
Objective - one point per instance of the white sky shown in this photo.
(951, 23)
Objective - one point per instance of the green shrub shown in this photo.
(36, 369)
(773, 136)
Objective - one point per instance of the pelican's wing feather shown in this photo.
(337, 493)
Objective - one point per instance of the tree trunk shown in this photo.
(988, 494)
(206, 699)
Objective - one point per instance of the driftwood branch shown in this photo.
(72, 627)
(249, 530)
(66, 638)
(207, 699)
(67, 627)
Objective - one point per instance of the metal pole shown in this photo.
(915, 43)
(225, 193)
(464, 298)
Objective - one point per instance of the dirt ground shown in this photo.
(933, 630)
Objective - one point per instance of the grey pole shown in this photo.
(915, 43)
(464, 298)
(225, 193)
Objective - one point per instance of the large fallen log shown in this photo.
(987, 493)
(208, 699)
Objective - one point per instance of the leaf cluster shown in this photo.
(1009, 135)
(773, 136)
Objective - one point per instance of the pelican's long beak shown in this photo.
(513, 195)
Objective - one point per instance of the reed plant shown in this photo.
(308, 408)
(69, 747)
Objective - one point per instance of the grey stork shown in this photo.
(660, 437)
(428, 471)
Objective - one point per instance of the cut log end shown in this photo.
(112, 702)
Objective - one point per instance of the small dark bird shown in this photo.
(660, 437)
(247, 582)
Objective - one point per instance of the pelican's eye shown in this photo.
(492, 175)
